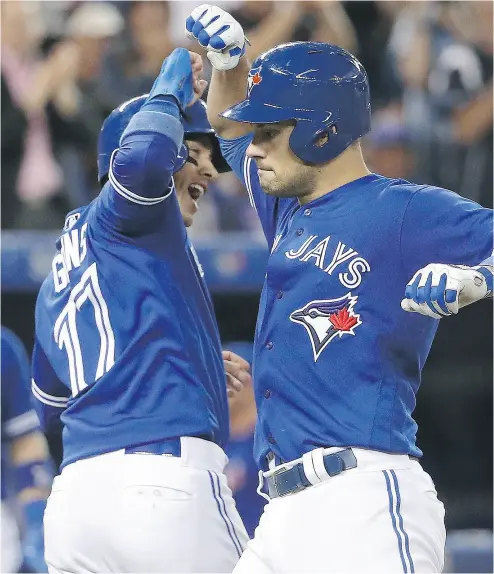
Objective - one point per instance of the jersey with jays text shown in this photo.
(18, 415)
(337, 362)
(127, 347)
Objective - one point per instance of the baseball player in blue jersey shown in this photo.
(127, 357)
(337, 359)
(26, 468)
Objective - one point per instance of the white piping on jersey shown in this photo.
(124, 192)
(248, 183)
(47, 399)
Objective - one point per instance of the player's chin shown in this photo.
(188, 219)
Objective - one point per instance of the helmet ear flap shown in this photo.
(315, 147)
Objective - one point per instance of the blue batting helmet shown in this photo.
(194, 120)
(323, 88)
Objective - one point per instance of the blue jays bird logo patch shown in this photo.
(326, 319)
(253, 79)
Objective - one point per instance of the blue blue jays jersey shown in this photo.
(18, 415)
(337, 362)
(127, 347)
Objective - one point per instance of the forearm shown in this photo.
(227, 89)
(276, 28)
(144, 162)
(472, 121)
(335, 27)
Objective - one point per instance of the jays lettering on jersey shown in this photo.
(18, 415)
(127, 347)
(337, 362)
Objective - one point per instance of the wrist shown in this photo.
(165, 104)
(487, 272)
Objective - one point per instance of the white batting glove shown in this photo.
(439, 290)
(219, 33)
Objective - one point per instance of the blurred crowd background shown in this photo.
(66, 64)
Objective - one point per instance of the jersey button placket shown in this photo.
(271, 439)
(279, 295)
(307, 212)
(269, 345)
(267, 394)
(299, 231)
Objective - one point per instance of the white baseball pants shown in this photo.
(120, 512)
(382, 516)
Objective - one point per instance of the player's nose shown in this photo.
(206, 168)
(255, 151)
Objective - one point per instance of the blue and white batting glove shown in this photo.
(439, 290)
(219, 33)
(175, 79)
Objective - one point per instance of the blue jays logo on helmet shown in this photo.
(253, 79)
(322, 88)
(326, 319)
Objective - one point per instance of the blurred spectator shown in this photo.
(241, 470)
(445, 55)
(373, 22)
(269, 23)
(226, 209)
(387, 149)
(26, 468)
(135, 60)
(49, 118)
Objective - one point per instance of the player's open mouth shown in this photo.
(196, 191)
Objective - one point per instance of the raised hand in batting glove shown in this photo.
(181, 77)
(439, 290)
(219, 33)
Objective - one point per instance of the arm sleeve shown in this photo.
(268, 207)
(18, 416)
(49, 395)
(439, 226)
(141, 169)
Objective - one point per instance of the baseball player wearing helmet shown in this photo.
(127, 356)
(337, 360)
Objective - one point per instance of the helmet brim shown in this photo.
(250, 112)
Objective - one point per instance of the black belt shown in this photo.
(286, 481)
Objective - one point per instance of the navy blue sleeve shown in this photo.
(18, 416)
(440, 226)
(141, 169)
(49, 395)
(268, 207)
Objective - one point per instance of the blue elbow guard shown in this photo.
(175, 78)
(36, 474)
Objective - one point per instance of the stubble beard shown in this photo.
(300, 185)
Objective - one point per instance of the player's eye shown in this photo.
(270, 134)
(193, 155)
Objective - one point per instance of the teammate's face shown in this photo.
(281, 172)
(192, 181)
